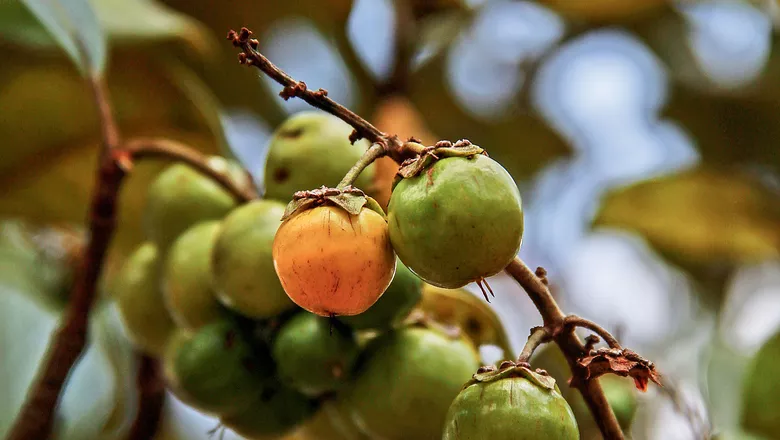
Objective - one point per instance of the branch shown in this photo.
(575, 321)
(110, 131)
(570, 345)
(36, 416)
(151, 399)
(539, 335)
(297, 89)
(169, 149)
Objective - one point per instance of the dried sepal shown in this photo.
(622, 362)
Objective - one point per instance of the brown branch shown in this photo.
(172, 150)
(539, 335)
(405, 34)
(575, 321)
(570, 345)
(108, 125)
(151, 399)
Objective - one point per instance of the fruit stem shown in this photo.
(570, 345)
(141, 148)
(538, 336)
(373, 153)
(572, 321)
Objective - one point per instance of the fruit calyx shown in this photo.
(509, 369)
(350, 199)
(429, 155)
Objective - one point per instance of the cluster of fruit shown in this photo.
(220, 292)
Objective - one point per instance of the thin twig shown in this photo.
(373, 153)
(570, 345)
(176, 151)
(108, 125)
(151, 398)
(576, 321)
(298, 89)
(539, 335)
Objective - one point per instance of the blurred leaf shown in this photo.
(97, 401)
(699, 216)
(75, 28)
(724, 384)
(519, 139)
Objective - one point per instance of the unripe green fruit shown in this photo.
(216, 370)
(407, 382)
(510, 404)
(404, 292)
(180, 197)
(313, 354)
(242, 263)
(187, 284)
(140, 300)
(332, 422)
(311, 149)
(761, 393)
(458, 221)
(276, 412)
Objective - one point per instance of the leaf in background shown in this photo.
(700, 216)
(75, 28)
(98, 395)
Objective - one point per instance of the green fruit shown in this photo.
(332, 422)
(313, 354)
(394, 305)
(216, 370)
(311, 149)
(140, 300)
(513, 403)
(242, 263)
(407, 381)
(458, 221)
(180, 197)
(276, 412)
(761, 393)
(187, 284)
(620, 392)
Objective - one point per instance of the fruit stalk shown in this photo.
(575, 321)
(539, 335)
(373, 153)
(570, 344)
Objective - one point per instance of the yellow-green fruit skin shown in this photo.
(187, 284)
(181, 197)
(276, 412)
(458, 221)
(510, 409)
(139, 299)
(761, 393)
(408, 380)
(242, 262)
(311, 149)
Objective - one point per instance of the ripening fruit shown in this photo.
(215, 369)
(407, 381)
(333, 263)
(180, 197)
(510, 404)
(140, 301)
(242, 262)
(309, 150)
(458, 221)
(276, 412)
(394, 305)
(761, 393)
(187, 284)
(313, 354)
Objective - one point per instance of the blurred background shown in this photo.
(644, 136)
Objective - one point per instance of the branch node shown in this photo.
(542, 274)
(354, 137)
(295, 89)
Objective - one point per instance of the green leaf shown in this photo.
(74, 26)
(700, 216)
